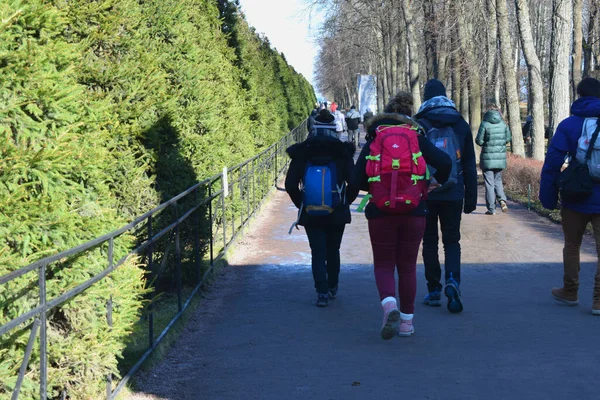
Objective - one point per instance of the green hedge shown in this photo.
(108, 108)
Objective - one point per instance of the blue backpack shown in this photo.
(321, 192)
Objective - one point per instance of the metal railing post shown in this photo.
(253, 186)
(43, 335)
(109, 321)
(212, 238)
(231, 201)
(28, 350)
(248, 196)
(177, 259)
(241, 187)
(276, 172)
(109, 307)
(224, 219)
(197, 238)
(150, 268)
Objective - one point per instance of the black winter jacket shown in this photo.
(433, 156)
(438, 112)
(315, 148)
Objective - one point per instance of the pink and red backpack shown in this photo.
(396, 169)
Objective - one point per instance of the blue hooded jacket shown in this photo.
(564, 142)
(440, 111)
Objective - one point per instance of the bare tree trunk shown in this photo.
(474, 83)
(512, 96)
(492, 53)
(456, 90)
(400, 49)
(559, 61)
(596, 40)
(577, 45)
(413, 54)
(393, 43)
(464, 96)
(535, 79)
(587, 44)
(443, 47)
(430, 39)
(380, 94)
(497, 82)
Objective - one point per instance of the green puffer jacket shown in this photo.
(493, 136)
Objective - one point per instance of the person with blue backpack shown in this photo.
(316, 182)
(448, 131)
(392, 167)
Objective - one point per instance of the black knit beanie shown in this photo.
(589, 87)
(433, 88)
(325, 117)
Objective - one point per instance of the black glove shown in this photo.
(469, 208)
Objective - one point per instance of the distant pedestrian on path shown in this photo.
(366, 116)
(572, 138)
(339, 120)
(528, 135)
(392, 168)
(493, 136)
(352, 122)
(447, 129)
(316, 182)
(311, 119)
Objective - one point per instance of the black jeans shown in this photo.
(325, 244)
(449, 214)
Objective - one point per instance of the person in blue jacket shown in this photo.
(575, 216)
(447, 206)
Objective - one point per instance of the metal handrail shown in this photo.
(266, 166)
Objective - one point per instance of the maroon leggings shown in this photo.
(395, 240)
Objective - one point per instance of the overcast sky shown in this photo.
(286, 24)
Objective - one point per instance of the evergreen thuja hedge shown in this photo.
(55, 194)
(107, 108)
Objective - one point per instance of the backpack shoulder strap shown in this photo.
(588, 155)
(425, 124)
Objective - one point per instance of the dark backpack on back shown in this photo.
(444, 138)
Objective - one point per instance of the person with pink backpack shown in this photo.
(392, 167)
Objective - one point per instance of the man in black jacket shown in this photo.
(447, 204)
(325, 231)
(352, 121)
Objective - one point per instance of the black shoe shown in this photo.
(333, 292)
(488, 212)
(322, 300)
(451, 290)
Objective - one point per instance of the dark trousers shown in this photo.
(494, 190)
(574, 225)
(325, 244)
(395, 240)
(449, 214)
(354, 136)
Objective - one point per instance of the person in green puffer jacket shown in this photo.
(493, 136)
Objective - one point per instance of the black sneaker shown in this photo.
(433, 299)
(322, 300)
(453, 293)
(333, 292)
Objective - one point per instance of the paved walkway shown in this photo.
(259, 336)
